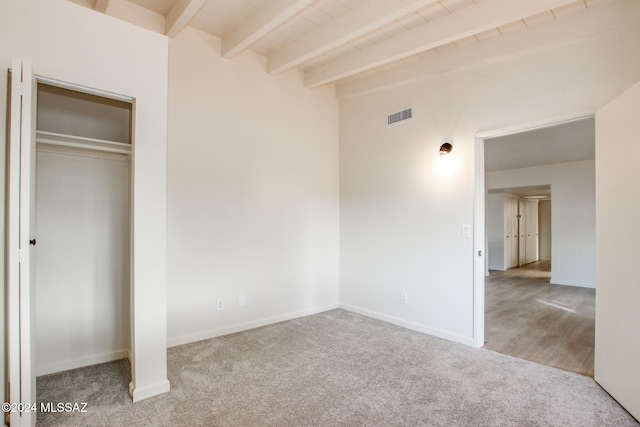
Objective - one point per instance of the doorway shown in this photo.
(533, 167)
(83, 181)
(82, 208)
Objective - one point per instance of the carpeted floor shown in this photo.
(335, 369)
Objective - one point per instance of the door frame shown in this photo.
(25, 371)
(481, 258)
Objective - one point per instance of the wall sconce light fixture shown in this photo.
(447, 163)
(446, 147)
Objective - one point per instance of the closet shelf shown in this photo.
(63, 140)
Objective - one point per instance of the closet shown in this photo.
(83, 221)
(512, 230)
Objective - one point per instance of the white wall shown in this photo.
(544, 229)
(617, 209)
(71, 43)
(252, 192)
(81, 281)
(573, 217)
(400, 221)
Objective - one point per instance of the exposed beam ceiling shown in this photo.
(274, 13)
(358, 43)
(367, 17)
(475, 19)
(582, 24)
(180, 14)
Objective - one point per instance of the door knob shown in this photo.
(32, 242)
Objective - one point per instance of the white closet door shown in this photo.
(531, 231)
(522, 232)
(20, 226)
(511, 232)
(514, 232)
(506, 249)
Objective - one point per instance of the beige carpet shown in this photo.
(336, 369)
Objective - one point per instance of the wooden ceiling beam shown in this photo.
(475, 19)
(101, 6)
(272, 14)
(180, 14)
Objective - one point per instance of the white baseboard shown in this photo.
(172, 342)
(412, 325)
(554, 281)
(141, 393)
(83, 361)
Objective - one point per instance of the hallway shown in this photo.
(529, 318)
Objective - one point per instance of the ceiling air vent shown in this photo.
(400, 116)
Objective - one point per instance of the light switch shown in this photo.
(466, 231)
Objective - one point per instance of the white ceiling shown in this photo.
(337, 41)
(567, 142)
(563, 143)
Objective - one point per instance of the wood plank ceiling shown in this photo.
(337, 41)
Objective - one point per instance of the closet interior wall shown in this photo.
(83, 221)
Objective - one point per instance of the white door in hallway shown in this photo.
(531, 229)
(617, 341)
(522, 232)
(511, 232)
(527, 231)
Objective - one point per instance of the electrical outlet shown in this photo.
(403, 298)
(220, 305)
(241, 301)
